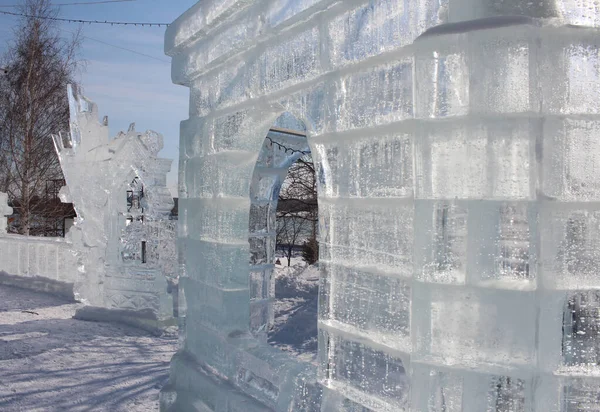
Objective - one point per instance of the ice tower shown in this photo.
(504, 312)
(456, 143)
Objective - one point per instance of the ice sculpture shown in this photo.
(456, 147)
(5, 210)
(124, 240)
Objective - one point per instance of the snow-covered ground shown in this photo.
(51, 362)
(296, 297)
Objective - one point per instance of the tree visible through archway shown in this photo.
(296, 271)
(297, 212)
(284, 271)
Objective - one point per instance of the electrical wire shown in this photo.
(120, 47)
(81, 3)
(112, 23)
(126, 49)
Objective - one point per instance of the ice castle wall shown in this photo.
(457, 202)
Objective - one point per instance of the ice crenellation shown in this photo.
(456, 149)
(123, 239)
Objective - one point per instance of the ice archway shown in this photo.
(269, 173)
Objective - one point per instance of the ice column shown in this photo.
(506, 293)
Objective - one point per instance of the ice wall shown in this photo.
(124, 241)
(5, 211)
(455, 148)
(39, 263)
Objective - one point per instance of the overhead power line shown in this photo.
(80, 3)
(126, 49)
(83, 3)
(112, 23)
(119, 47)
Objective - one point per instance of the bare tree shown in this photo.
(290, 231)
(297, 211)
(37, 66)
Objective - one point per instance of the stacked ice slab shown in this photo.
(456, 149)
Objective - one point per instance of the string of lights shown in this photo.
(287, 149)
(80, 21)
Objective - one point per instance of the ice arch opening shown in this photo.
(285, 144)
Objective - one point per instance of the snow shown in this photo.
(295, 306)
(51, 362)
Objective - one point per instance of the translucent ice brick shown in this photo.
(501, 79)
(442, 76)
(370, 234)
(375, 378)
(491, 330)
(441, 242)
(570, 241)
(378, 96)
(375, 306)
(571, 170)
(369, 30)
(291, 61)
(502, 246)
(381, 167)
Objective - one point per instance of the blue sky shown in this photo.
(127, 87)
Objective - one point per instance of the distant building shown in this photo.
(51, 217)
